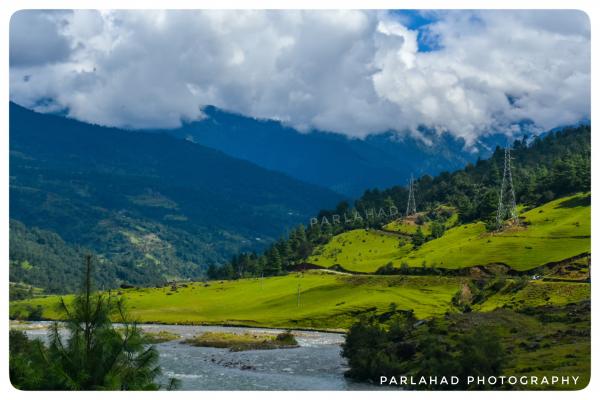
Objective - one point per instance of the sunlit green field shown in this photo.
(558, 230)
(327, 300)
(361, 250)
(552, 232)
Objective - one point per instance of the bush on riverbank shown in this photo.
(243, 341)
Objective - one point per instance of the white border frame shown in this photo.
(8, 7)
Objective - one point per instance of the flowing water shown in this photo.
(315, 365)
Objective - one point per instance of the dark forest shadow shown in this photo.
(576, 202)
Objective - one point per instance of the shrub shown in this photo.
(287, 338)
(35, 313)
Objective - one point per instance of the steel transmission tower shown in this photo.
(411, 208)
(507, 207)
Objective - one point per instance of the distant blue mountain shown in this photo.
(347, 166)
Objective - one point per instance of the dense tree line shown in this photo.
(277, 259)
(544, 168)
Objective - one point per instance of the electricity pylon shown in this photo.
(411, 208)
(507, 206)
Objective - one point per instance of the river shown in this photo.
(315, 365)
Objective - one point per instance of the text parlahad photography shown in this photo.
(290, 200)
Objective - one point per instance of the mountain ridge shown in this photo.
(147, 200)
(346, 165)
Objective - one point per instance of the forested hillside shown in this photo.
(544, 169)
(42, 259)
(154, 206)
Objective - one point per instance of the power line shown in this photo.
(411, 207)
(507, 206)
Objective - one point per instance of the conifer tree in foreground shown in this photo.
(93, 354)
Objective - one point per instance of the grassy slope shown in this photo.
(558, 230)
(538, 293)
(360, 250)
(327, 300)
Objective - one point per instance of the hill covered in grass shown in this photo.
(552, 232)
(360, 250)
(555, 231)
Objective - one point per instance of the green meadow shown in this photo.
(327, 300)
(361, 250)
(552, 232)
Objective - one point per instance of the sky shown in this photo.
(467, 73)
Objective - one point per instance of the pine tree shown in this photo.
(94, 355)
(285, 252)
(418, 238)
(273, 266)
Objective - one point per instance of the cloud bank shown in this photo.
(352, 72)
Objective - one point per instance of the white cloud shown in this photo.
(352, 72)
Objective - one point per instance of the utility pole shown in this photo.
(507, 207)
(411, 207)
